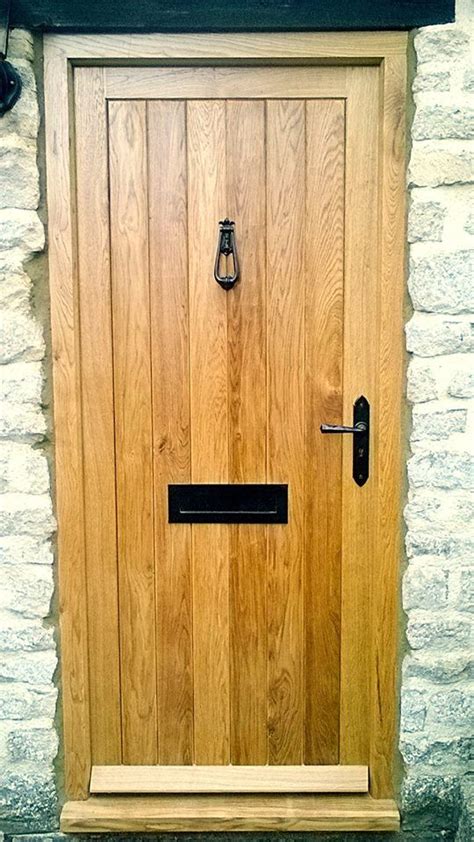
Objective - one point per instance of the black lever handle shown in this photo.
(360, 427)
(226, 248)
(361, 433)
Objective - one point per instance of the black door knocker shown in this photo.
(10, 79)
(226, 248)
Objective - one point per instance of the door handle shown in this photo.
(361, 432)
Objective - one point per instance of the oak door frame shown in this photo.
(385, 50)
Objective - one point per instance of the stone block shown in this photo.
(35, 668)
(438, 668)
(29, 801)
(27, 590)
(452, 707)
(21, 229)
(468, 80)
(20, 45)
(426, 221)
(19, 702)
(438, 544)
(425, 588)
(441, 44)
(431, 80)
(23, 119)
(421, 382)
(21, 382)
(19, 180)
(461, 384)
(25, 636)
(23, 469)
(441, 469)
(429, 335)
(449, 510)
(437, 424)
(24, 549)
(21, 339)
(433, 164)
(39, 745)
(437, 752)
(465, 600)
(22, 421)
(430, 801)
(443, 121)
(413, 710)
(426, 631)
(443, 283)
(26, 514)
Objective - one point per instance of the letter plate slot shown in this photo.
(247, 503)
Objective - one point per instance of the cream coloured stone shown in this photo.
(425, 588)
(426, 630)
(31, 668)
(23, 469)
(430, 334)
(27, 590)
(22, 421)
(443, 121)
(19, 181)
(21, 338)
(434, 163)
(425, 221)
(21, 229)
(21, 382)
(24, 119)
(25, 549)
(441, 469)
(441, 44)
(26, 514)
(443, 283)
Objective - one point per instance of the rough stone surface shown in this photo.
(443, 283)
(441, 469)
(443, 121)
(425, 586)
(429, 335)
(19, 182)
(432, 164)
(426, 221)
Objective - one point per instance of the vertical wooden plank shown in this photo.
(388, 430)
(209, 425)
(171, 432)
(323, 404)
(133, 419)
(361, 313)
(98, 413)
(67, 422)
(247, 429)
(285, 378)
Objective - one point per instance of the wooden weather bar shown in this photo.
(136, 780)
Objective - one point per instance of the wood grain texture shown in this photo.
(133, 425)
(285, 379)
(246, 329)
(67, 426)
(209, 414)
(360, 47)
(361, 314)
(231, 779)
(324, 279)
(167, 167)
(223, 82)
(98, 414)
(207, 813)
(389, 457)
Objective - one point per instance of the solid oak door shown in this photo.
(216, 644)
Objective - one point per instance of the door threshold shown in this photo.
(194, 813)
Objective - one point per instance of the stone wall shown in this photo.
(437, 597)
(28, 738)
(438, 587)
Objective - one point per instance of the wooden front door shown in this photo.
(241, 644)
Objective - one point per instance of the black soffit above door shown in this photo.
(234, 16)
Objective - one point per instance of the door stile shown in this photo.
(361, 327)
(97, 394)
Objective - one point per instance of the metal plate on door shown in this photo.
(246, 503)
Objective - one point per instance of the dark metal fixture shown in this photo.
(361, 432)
(246, 503)
(226, 249)
(10, 79)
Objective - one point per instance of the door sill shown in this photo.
(194, 813)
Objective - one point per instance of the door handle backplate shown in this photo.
(361, 432)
